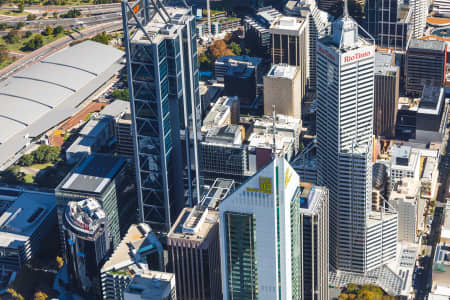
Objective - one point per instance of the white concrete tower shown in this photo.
(345, 82)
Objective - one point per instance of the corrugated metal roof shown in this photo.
(7, 123)
(89, 56)
(34, 93)
(58, 75)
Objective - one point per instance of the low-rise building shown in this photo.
(223, 63)
(405, 162)
(138, 252)
(405, 199)
(25, 220)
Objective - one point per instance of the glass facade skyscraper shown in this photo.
(163, 80)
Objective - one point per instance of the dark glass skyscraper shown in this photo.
(165, 102)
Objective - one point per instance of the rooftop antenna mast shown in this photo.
(208, 8)
(346, 9)
(274, 146)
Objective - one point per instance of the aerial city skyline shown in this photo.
(222, 149)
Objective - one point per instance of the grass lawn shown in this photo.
(41, 166)
(7, 62)
(10, 12)
(19, 46)
(29, 178)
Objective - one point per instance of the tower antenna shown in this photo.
(274, 146)
(346, 9)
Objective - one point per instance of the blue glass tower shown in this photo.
(163, 80)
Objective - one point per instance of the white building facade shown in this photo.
(260, 236)
(345, 84)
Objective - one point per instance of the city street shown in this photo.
(424, 277)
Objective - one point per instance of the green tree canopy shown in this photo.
(35, 43)
(45, 154)
(48, 31)
(26, 160)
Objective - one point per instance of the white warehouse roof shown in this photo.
(48, 92)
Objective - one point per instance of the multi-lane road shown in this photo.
(55, 46)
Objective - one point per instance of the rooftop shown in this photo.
(385, 64)
(229, 135)
(431, 101)
(116, 109)
(151, 285)
(158, 30)
(219, 190)
(242, 59)
(130, 254)
(20, 220)
(310, 198)
(86, 216)
(445, 231)
(194, 224)
(406, 189)
(283, 71)
(433, 45)
(93, 174)
(286, 25)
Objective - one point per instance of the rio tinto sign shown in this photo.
(327, 53)
(355, 55)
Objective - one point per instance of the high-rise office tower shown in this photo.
(314, 234)
(290, 46)
(282, 88)
(386, 94)
(317, 21)
(87, 243)
(425, 64)
(194, 254)
(163, 78)
(345, 78)
(419, 17)
(260, 236)
(389, 22)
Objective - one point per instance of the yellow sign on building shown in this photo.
(265, 186)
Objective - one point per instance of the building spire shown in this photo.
(274, 146)
(346, 9)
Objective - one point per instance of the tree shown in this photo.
(28, 34)
(35, 43)
(26, 160)
(12, 37)
(55, 15)
(102, 38)
(59, 262)
(73, 13)
(4, 54)
(14, 294)
(21, 6)
(219, 49)
(20, 25)
(40, 296)
(204, 61)
(121, 94)
(48, 31)
(45, 154)
(3, 26)
(58, 30)
(12, 175)
(235, 48)
(31, 17)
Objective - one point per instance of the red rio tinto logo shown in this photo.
(357, 56)
(326, 53)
